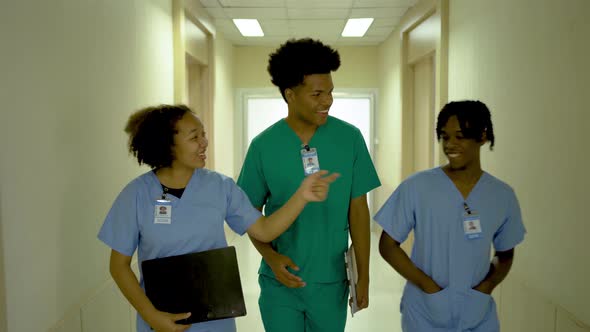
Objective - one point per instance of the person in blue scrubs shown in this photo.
(179, 207)
(457, 212)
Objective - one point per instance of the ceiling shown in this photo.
(320, 19)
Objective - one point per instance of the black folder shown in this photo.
(206, 284)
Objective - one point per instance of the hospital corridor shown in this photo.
(79, 78)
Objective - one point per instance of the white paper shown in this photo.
(352, 275)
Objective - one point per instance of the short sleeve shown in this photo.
(364, 175)
(512, 230)
(251, 178)
(397, 216)
(120, 229)
(240, 213)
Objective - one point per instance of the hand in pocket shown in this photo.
(438, 308)
(476, 307)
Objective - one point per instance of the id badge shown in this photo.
(311, 163)
(472, 226)
(163, 212)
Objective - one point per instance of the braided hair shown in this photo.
(474, 119)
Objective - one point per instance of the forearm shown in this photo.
(314, 188)
(264, 248)
(361, 240)
(280, 220)
(395, 256)
(129, 286)
(499, 268)
(269, 228)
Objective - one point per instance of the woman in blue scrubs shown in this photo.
(457, 212)
(180, 207)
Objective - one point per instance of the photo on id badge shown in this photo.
(309, 157)
(163, 212)
(472, 226)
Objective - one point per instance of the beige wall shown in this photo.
(223, 105)
(196, 43)
(389, 131)
(2, 284)
(71, 75)
(390, 126)
(528, 61)
(69, 83)
(358, 68)
(250, 67)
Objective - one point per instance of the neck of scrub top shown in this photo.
(303, 130)
(174, 177)
(468, 176)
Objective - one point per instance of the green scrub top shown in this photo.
(272, 172)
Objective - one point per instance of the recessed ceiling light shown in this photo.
(249, 28)
(356, 27)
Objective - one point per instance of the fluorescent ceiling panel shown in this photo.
(249, 27)
(356, 27)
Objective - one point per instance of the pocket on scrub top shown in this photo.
(477, 305)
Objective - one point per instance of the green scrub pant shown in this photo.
(317, 307)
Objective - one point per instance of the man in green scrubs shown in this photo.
(302, 274)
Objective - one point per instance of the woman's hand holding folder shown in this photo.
(166, 322)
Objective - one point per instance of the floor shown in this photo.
(384, 292)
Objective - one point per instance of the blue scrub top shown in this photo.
(196, 223)
(430, 204)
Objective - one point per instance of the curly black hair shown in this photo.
(296, 58)
(474, 118)
(151, 134)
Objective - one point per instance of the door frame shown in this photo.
(418, 15)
